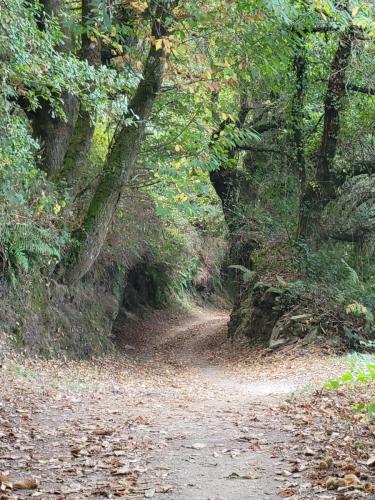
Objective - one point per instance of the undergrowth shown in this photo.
(24, 245)
(362, 370)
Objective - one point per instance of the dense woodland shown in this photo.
(154, 153)
(187, 259)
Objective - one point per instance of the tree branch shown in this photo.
(363, 89)
(255, 149)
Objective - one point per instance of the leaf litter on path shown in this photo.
(114, 427)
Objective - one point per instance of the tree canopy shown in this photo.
(248, 120)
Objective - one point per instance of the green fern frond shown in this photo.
(25, 244)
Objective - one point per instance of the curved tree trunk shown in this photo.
(122, 157)
(54, 132)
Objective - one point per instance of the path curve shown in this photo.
(183, 414)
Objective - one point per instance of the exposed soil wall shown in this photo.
(136, 271)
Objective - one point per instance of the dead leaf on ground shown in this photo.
(17, 484)
(198, 446)
(150, 493)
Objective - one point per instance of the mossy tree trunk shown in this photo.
(231, 184)
(52, 131)
(321, 190)
(122, 156)
(236, 188)
(75, 161)
(297, 116)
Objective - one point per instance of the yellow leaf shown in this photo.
(138, 5)
(167, 45)
(159, 43)
(57, 209)
(182, 197)
(355, 11)
(119, 49)
(178, 148)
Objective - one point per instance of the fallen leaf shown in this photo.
(198, 446)
(104, 432)
(25, 484)
(122, 471)
(150, 493)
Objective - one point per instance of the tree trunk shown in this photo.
(76, 156)
(319, 192)
(298, 116)
(225, 180)
(230, 183)
(54, 132)
(121, 159)
(297, 121)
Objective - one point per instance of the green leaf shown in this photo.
(332, 384)
(347, 377)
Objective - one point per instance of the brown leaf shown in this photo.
(25, 484)
(5, 481)
(104, 432)
(122, 471)
(289, 492)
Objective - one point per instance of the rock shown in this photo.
(312, 335)
(257, 312)
(275, 344)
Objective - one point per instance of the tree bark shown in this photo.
(230, 183)
(54, 132)
(225, 180)
(320, 191)
(122, 156)
(75, 160)
(298, 116)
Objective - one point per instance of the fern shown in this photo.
(352, 274)
(247, 273)
(23, 245)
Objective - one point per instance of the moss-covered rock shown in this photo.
(256, 311)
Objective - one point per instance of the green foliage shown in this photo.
(174, 264)
(220, 61)
(24, 245)
(332, 267)
(32, 65)
(247, 274)
(362, 370)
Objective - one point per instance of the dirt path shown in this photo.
(183, 416)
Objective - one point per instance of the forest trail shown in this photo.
(184, 415)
